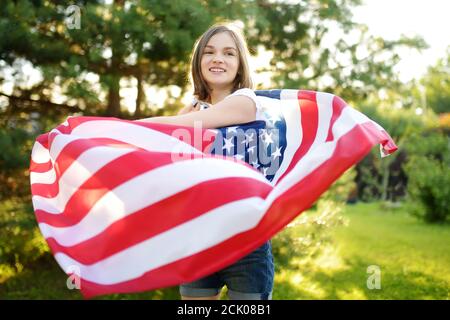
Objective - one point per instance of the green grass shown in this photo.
(413, 257)
(46, 280)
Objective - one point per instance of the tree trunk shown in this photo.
(385, 182)
(113, 109)
(140, 100)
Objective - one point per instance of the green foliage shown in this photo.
(436, 84)
(399, 122)
(384, 178)
(342, 189)
(13, 154)
(15, 146)
(149, 41)
(21, 240)
(395, 109)
(301, 60)
(369, 177)
(429, 176)
(305, 237)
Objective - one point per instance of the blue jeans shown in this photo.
(250, 278)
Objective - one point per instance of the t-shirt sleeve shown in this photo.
(248, 93)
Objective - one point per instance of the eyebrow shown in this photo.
(226, 48)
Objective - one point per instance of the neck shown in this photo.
(218, 95)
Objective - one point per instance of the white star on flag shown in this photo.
(228, 144)
(263, 133)
(276, 153)
(274, 119)
(255, 164)
(232, 129)
(267, 138)
(249, 137)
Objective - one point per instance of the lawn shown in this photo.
(413, 257)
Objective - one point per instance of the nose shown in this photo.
(218, 58)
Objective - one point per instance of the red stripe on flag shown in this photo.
(43, 139)
(338, 106)
(40, 167)
(309, 124)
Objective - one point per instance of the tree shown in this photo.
(436, 84)
(150, 41)
(146, 40)
(317, 45)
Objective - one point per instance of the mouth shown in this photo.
(217, 70)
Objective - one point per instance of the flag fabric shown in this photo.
(129, 206)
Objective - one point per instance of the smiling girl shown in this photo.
(224, 97)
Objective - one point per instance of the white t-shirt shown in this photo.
(260, 115)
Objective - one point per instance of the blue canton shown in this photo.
(259, 143)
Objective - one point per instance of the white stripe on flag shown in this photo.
(40, 154)
(325, 112)
(294, 134)
(133, 134)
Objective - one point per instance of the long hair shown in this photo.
(243, 78)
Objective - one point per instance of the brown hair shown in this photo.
(243, 78)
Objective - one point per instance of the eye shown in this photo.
(207, 52)
(230, 54)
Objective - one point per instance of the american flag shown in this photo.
(129, 206)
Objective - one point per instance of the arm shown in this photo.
(185, 110)
(231, 111)
(189, 108)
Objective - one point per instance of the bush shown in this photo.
(15, 146)
(20, 239)
(429, 176)
(384, 178)
(306, 237)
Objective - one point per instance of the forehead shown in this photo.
(222, 40)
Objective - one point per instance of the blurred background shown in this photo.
(381, 232)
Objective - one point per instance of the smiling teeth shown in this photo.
(216, 70)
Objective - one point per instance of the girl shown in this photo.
(223, 97)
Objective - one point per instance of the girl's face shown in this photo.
(220, 61)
